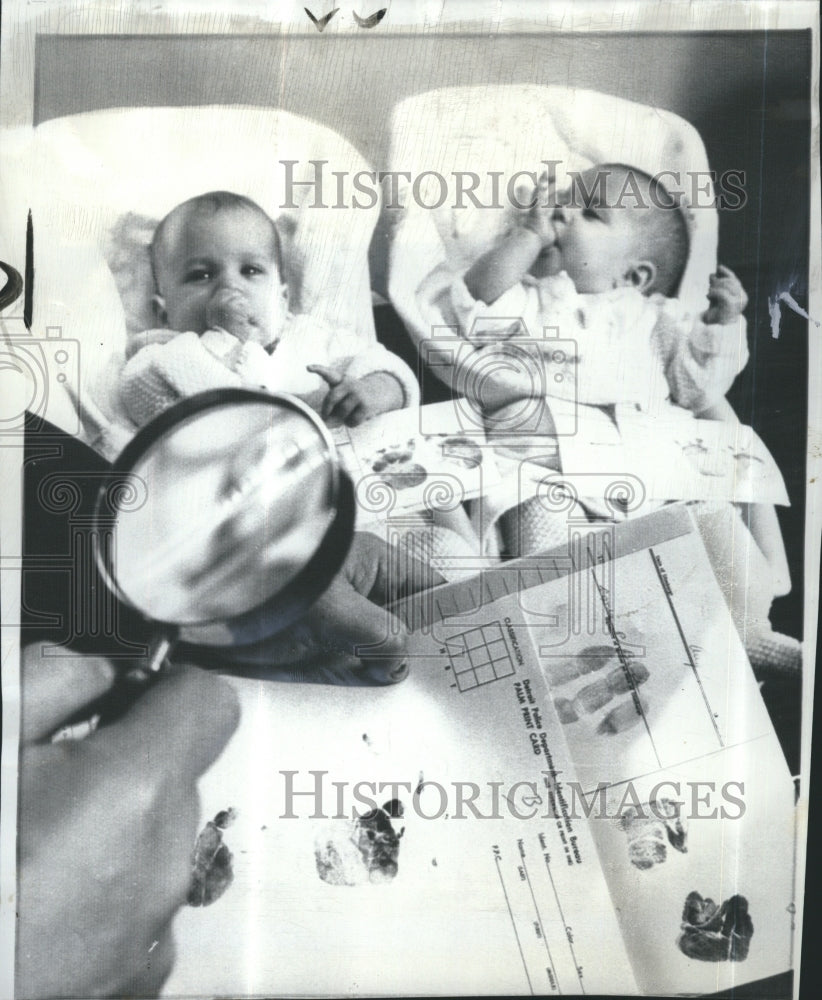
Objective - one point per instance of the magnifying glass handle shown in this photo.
(158, 661)
(126, 690)
(140, 676)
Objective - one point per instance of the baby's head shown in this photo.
(216, 263)
(616, 226)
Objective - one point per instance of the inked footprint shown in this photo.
(651, 829)
(394, 464)
(361, 851)
(211, 863)
(712, 933)
(462, 451)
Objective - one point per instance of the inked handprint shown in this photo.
(590, 698)
(625, 716)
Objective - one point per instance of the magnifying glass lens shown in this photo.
(238, 498)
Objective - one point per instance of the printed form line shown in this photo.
(676, 763)
(562, 918)
(514, 925)
(539, 918)
(634, 689)
(666, 590)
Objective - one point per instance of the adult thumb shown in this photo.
(345, 619)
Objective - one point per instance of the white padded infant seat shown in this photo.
(98, 183)
(515, 128)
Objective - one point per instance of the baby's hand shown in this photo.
(352, 401)
(726, 296)
(228, 310)
(539, 217)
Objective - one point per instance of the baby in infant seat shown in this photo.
(216, 261)
(223, 320)
(601, 263)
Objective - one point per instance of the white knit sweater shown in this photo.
(165, 366)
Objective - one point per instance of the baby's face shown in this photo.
(220, 270)
(598, 245)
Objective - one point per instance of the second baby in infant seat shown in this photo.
(601, 262)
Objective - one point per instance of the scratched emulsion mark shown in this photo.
(28, 301)
(211, 863)
(775, 309)
(362, 850)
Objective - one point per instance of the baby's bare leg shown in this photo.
(739, 565)
(742, 572)
(531, 527)
(761, 519)
(764, 526)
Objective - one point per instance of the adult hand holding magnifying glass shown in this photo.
(349, 622)
(233, 519)
(106, 825)
(238, 526)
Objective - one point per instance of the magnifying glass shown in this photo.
(233, 519)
